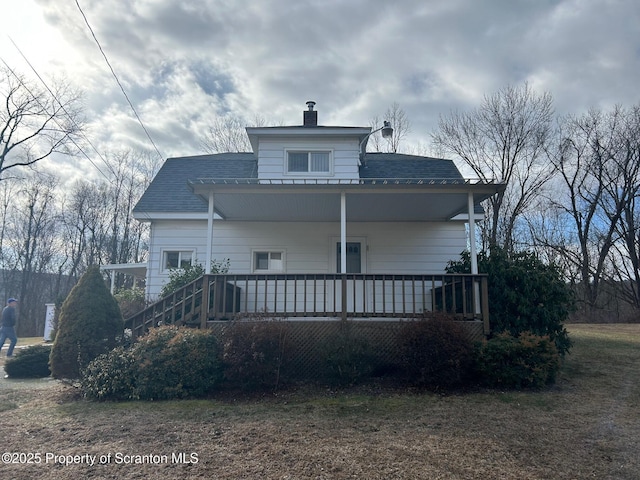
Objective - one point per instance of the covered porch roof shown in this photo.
(367, 200)
(137, 270)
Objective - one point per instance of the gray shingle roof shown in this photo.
(169, 192)
(398, 165)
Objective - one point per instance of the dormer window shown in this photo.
(300, 162)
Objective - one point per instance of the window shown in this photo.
(268, 261)
(309, 162)
(177, 259)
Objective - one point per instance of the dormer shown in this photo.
(308, 151)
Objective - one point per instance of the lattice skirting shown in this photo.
(305, 338)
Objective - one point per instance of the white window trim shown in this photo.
(308, 173)
(164, 251)
(269, 250)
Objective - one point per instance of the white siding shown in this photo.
(271, 157)
(409, 248)
(173, 235)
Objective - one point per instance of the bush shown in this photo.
(348, 358)
(90, 324)
(525, 361)
(435, 352)
(30, 362)
(111, 376)
(179, 277)
(130, 300)
(525, 294)
(176, 362)
(169, 362)
(255, 353)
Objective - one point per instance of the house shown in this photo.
(283, 214)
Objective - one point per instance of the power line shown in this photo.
(26, 87)
(66, 112)
(118, 81)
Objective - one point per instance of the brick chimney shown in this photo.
(310, 117)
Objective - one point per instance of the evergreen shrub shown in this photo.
(525, 294)
(30, 362)
(525, 361)
(168, 363)
(177, 362)
(436, 352)
(90, 324)
(111, 376)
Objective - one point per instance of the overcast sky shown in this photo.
(184, 62)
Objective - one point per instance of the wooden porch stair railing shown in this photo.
(212, 298)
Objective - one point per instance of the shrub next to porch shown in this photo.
(90, 324)
(525, 294)
(168, 363)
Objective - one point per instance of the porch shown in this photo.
(214, 298)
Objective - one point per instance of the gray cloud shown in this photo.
(183, 63)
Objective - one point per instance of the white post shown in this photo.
(473, 252)
(48, 321)
(343, 233)
(472, 235)
(113, 281)
(208, 256)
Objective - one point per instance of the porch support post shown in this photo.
(472, 235)
(474, 255)
(343, 252)
(210, 214)
(113, 281)
(343, 232)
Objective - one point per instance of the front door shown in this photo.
(354, 257)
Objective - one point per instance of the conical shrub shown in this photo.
(89, 324)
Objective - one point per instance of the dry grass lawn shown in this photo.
(586, 426)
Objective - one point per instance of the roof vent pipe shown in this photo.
(310, 117)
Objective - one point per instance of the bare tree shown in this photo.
(505, 140)
(401, 128)
(98, 226)
(82, 236)
(130, 179)
(623, 194)
(32, 229)
(227, 134)
(35, 122)
(597, 159)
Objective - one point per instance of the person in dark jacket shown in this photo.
(7, 327)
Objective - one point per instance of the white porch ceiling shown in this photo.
(364, 203)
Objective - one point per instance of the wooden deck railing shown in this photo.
(221, 297)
